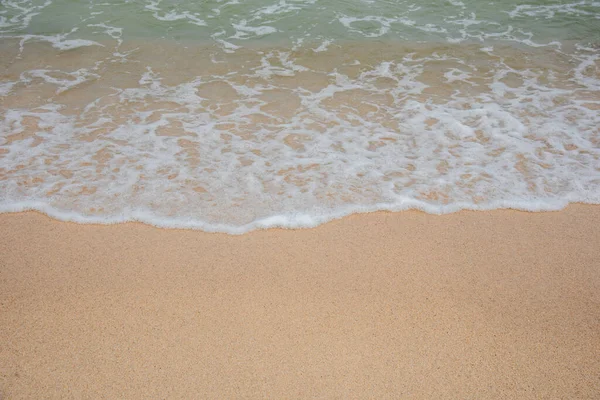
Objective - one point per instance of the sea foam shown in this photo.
(240, 131)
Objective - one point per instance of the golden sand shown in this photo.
(498, 304)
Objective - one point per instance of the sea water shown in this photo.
(232, 115)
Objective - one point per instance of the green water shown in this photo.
(289, 21)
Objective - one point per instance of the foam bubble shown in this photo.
(244, 31)
(173, 15)
(258, 122)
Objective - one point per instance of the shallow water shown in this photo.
(231, 116)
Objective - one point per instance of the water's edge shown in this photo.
(295, 221)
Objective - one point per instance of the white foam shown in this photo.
(173, 15)
(281, 7)
(6, 87)
(383, 22)
(64, 80)
(287, 221)
(433, 160)
(59, 41)
(550, 11)
(228, 47)
(253, 134)
(323, 46)
(245, 31)
(24, 13)
(457, 3)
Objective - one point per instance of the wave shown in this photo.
(220, 122)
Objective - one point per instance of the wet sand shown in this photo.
(500, 304)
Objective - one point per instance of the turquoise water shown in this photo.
(236, 115)
(289, 21)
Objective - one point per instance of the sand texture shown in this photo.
(478, 305)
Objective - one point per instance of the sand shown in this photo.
(500, 304)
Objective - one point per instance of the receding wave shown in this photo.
(247, 125)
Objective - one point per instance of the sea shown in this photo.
(235, 115)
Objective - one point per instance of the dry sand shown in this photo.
(499, 304)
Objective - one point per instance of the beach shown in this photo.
(299, 199)
(495, 304)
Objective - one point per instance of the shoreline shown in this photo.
(485, 304)
(291, 221)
